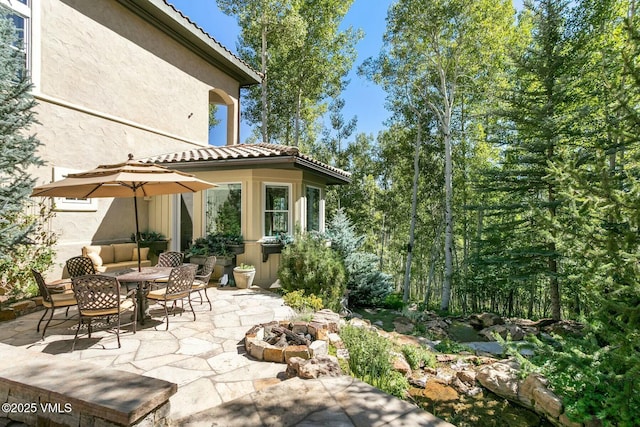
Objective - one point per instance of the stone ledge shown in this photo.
(119, 397)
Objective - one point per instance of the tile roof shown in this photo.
(246, 152)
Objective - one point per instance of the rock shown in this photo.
(342, 353)
(437, 392)
(319, 348)
(525, 390)
(316, 367)
(460, 386)
(301, 351)
(7, 314)
(565, 328)
(335, 339)
(547, 402)
(403, 326)
(566, 422)
(359, 323)
(500, 378)
(329, 317)
(491, 348)
(484, 320)
(419, 382)
(400, 364)
(468, 376)
(504, 331)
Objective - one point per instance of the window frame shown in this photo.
(320, 207)
(66, 204)
(23, 9)
(264, 210)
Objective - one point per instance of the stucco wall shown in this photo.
(110, 84)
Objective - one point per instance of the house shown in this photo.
(113, 77)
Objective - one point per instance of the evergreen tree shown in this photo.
(17, 148)
(367, 285)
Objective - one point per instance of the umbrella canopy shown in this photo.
(128, 179)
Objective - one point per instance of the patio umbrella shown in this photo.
(129, 179)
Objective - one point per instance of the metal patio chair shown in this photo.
(201, 281)
(178, 288)
(51, 301)
(80, 266)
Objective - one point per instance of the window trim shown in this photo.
(23, 10)
(263, 208)
(204, 204)
(320, 207)
(65, 204)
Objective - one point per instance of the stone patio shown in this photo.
(218, 383)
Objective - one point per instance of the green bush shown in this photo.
(370, 360)
(418, 356)
(301, 302)
(309, 265)
(393, 301)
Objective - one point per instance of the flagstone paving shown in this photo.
(215, 376)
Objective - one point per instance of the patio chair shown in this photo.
(80, 266)
(170, 259)
(99, 297)
(201, 281)
(178, 288)
(51, 301)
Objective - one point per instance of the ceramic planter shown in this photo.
(243, 277)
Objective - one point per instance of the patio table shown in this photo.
(140, 279)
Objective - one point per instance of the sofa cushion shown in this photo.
(144, 253)
(119, 266)
(105, 252)
(122, 251)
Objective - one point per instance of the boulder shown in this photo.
(316, 367)
(516, 333)
(501, 378)
(484, 320)
(400, 364)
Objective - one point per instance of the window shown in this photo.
(20, 12)
(224, 209)
(276, 209)
(313, 208)
(71, 204)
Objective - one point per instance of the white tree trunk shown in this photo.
(414, 209)
(448, 218)
(263, 55)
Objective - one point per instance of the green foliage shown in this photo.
(370, 360)
(309, 265)
(16, 280)
(17, 147)
(244, 266)
(393, 301)
(450, 347)
(214, 244)
(301, 302)
(366, 284)
(592, 380)
(149, 236)
(418, 356)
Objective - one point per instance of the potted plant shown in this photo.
(156, 242)
(243, 275)
(234, 243)
(274, 244)
(198, 251)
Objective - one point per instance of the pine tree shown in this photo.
(17, 148)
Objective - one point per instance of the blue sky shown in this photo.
(362, 98)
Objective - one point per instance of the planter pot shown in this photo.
(155, 247)
(236, 249)
(270, 248)
(243, 278)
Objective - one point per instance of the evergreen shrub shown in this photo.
(310, 266)
(368, 286)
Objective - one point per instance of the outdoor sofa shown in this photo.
(117, 256)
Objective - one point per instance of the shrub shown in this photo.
(309, 265)
(418, 356)
(299, 302)
(370, 360)
(366, 284)
(393, 301)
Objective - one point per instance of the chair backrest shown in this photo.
(205, 273)
(170, 259)
(181, 280)
(42, 286)
(96, 292)
(80, 266)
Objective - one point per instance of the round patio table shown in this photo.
(140, 279)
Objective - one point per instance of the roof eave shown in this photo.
(332, 177)
(173, 23)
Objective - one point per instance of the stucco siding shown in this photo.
(100, 55)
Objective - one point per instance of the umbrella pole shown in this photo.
(135, 208)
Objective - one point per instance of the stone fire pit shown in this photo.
(280, 341)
